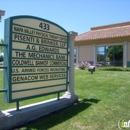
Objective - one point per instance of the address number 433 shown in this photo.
(44, 26)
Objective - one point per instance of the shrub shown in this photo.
(114, 69)
(82, 66)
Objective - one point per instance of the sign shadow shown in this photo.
(55, 118)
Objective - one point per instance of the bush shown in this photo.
(82, 66)
(114, 69)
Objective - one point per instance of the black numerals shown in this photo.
(47, 26)
(40, 25)
(44, 26)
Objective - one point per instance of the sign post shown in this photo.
(70, 90)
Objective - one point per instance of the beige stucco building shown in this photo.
(88, 44)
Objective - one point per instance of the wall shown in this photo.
(85, 53)
(128, 55)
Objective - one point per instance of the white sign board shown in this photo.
(36, 58)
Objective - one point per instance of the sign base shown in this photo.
(13, 118)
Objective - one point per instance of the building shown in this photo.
(104, 45)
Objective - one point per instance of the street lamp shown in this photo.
(2, 13)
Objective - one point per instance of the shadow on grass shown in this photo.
(60, 116)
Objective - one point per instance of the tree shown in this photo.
(115, 52)
(100, 57)
(1, 47)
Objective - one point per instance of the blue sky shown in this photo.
(72, 15)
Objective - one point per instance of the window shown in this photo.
(110, 55)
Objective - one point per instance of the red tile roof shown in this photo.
(105, 33)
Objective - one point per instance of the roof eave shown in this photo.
(103, 40)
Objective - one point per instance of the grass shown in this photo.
(103, 100)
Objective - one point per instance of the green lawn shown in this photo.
(103, 100)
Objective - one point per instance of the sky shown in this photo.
(73, 15)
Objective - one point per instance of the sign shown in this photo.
(36, 58)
